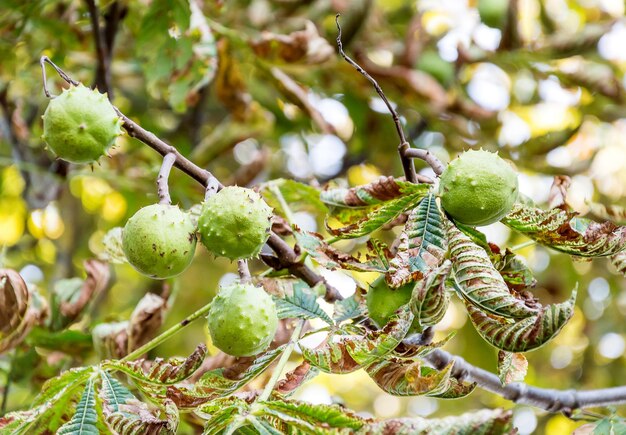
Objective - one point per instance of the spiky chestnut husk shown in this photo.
(242, 320)
(382, 302)
(159, 241)
(478, 188)
(80, 125)
(235, 223)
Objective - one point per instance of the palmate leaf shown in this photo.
(423, 244)
(352, 351)
(302, 304)
(220, 413)
(408, 350)
(478, 281)
(377, 344)
(216, 381)
(366, 208)
(348, 308)
(161, 372)
(134, 417)
(562, 231)
(430, 298)
(512, 367)
(310, 418)
(52, 407)
(113, 393)
(299, 196)
(512, 267)
(456, 389)
(377, 217)
(85, 419)
(525, 334)
(401, 377)
(376, 192)
(486, 422)
(295, 379)
(332, 356)
(516, 274)
(332, 258)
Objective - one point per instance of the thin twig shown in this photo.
(103, 76)
(548, 399)
(428, 157)
(163, 189)
(244, 271)
(46, 60)
(407, 164)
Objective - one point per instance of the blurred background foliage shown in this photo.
(253, 90)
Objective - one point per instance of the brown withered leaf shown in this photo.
(512, 367)
(98, 275)
(146, 319)
(20, 309)
(13, 301)
(293, 379)
(110, 339)
(558, 192)
(304, 46)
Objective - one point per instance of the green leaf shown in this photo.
(113, 393)
(85, 418)
(312, 418)
(409, 350)
(512, 367)
(302, 304)
(134, 417)
(487, 421)
(161, 372)
(348, 308)
(299, 196)
(347, 350)
(430, 298)
(332, 258)
(332, 356)
(377, 344)
(478, 281)
(216, 384)
(516, 274)
(382, 190)
(423, 244)
(525, 334)
(456, 389)
(69, 341)
(53, 406)
(402, 377)
(378, 215)
(562, 231)
(220, 413)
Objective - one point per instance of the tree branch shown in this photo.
(289, 259)
(427, 156)
(103, 74)
(549, 399)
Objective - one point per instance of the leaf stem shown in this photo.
(282, 362)
(137, 353)
(526, 244)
